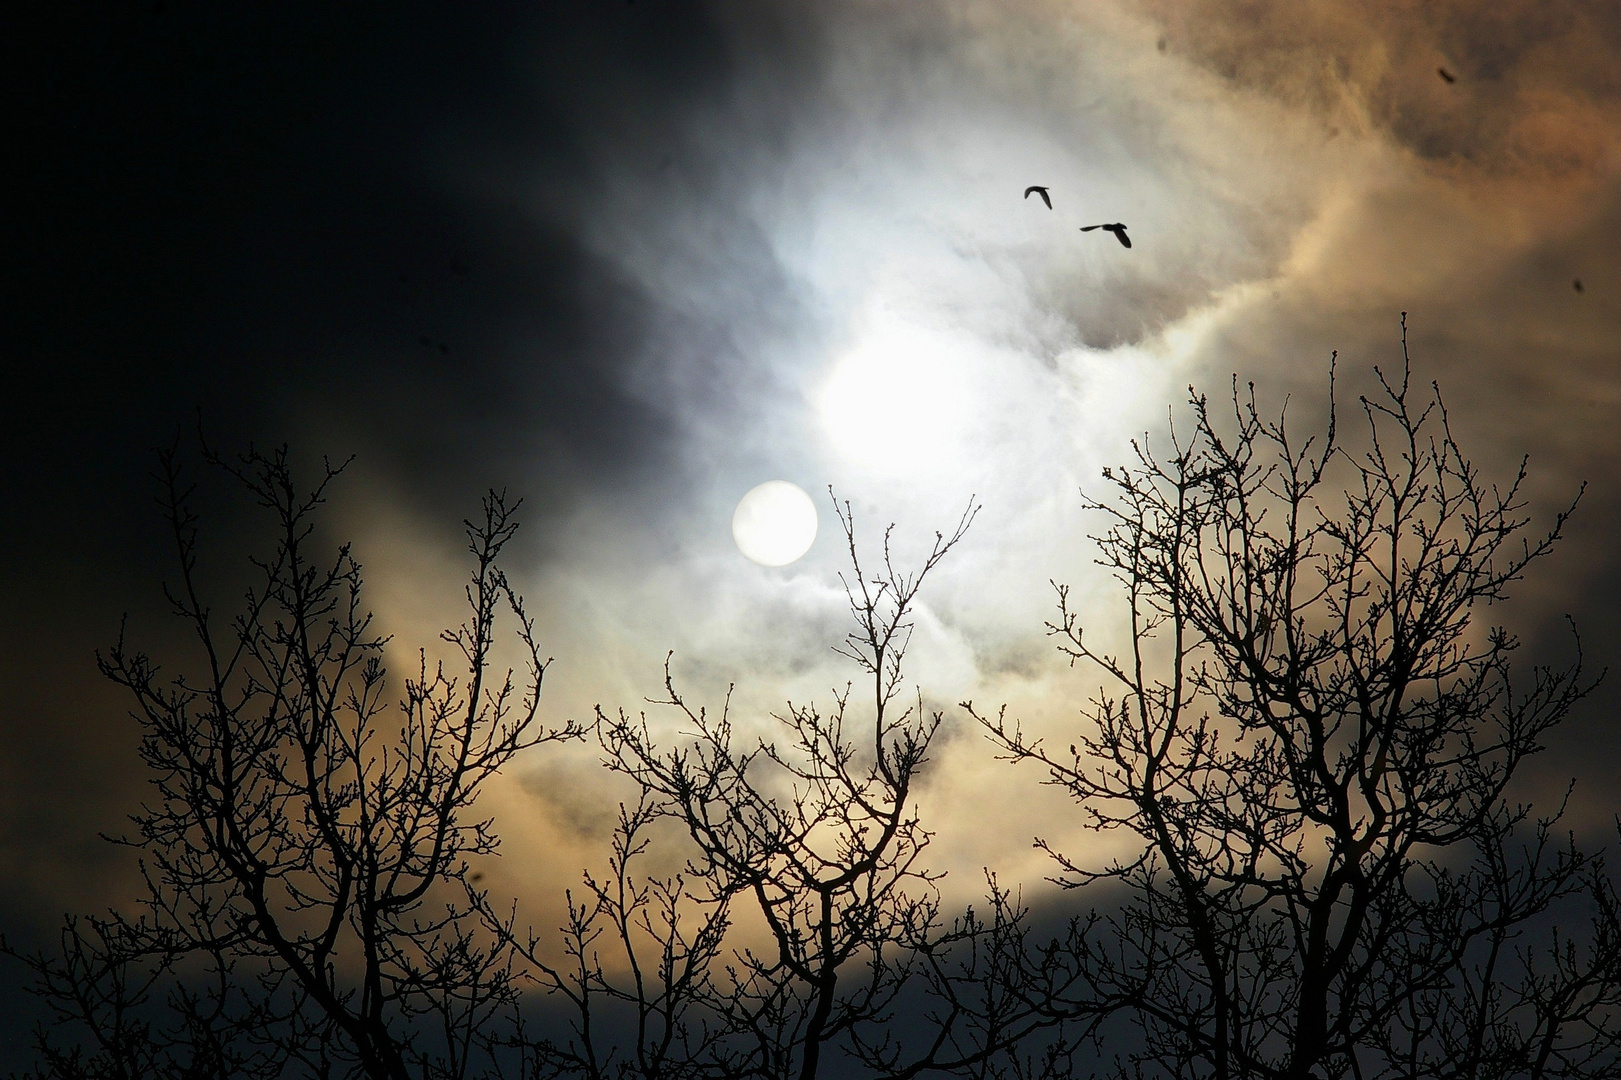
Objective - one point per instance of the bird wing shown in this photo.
(1120, 235)
(1089, 228)
(1039, 191)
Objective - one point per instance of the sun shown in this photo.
(775, 523)
(895, 402)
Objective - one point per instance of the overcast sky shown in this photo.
(631, 259)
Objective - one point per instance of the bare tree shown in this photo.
(818, 841)
(649, 1010)
(308, 902)
(309, 908)
(1309, 734)
(1313, 740)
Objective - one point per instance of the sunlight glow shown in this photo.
(898, 400)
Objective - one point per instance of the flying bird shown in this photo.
(1578, 284)
(1117, 228)
(1039, 190)
(1446, 75)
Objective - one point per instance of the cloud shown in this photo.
(1293, 177)
(692, 231)
(1535, 91)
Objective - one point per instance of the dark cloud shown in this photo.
(619, 257)
(258, 215)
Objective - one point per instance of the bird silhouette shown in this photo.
(1578, 284)
(1446, 75)
(1117, 228)
(1039, 190)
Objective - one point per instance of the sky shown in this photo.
(628, 260)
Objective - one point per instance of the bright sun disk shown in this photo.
(775, 523)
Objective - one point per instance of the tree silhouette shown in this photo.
(817, 841)
(1308, 733)
(307, 900)
(1312, 739)
(834, 870)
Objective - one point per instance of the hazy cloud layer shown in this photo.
(634, 262)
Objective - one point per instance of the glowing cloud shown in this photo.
(897, 402)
